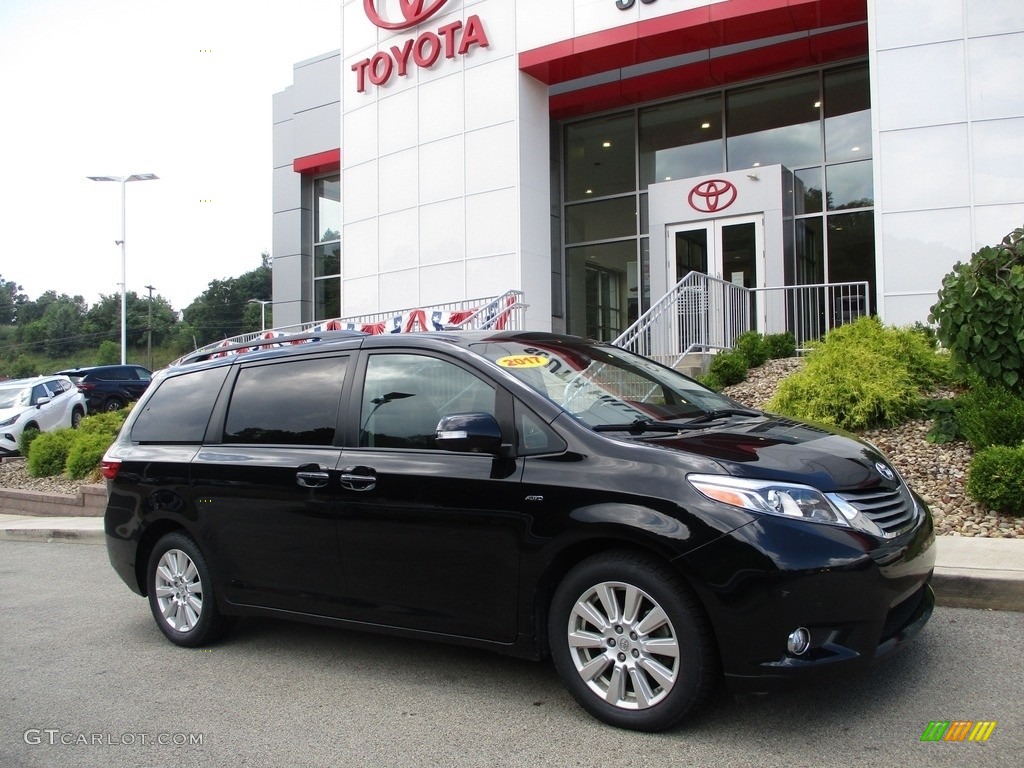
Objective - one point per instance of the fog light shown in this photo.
(799, 641)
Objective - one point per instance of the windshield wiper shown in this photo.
(721, 413)
(638, 427)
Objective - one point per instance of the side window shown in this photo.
(39, 391)
(404, 397)
(180, 408)
(535, 437)
(141, 374)
(288, 403)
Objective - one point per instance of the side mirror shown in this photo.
(41, 401)
(469, 433)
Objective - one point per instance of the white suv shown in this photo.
(44, 403)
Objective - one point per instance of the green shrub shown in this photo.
(85, 453)
(109, 353)
(862, 375)
(996, 478)
(780, 345)
(989, 414)
(25, 440)
(752, 346)
(107, 423)
(727, 368)
(49, 452)
(978, 312)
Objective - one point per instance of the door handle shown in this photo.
(312, 476)
(358, 478)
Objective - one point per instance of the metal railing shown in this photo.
(703, 313)
(505, 312)
(699, 313)
(811, 311)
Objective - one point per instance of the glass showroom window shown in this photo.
(327, 247)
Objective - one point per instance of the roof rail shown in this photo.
(504, 312)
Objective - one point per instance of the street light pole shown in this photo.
(263, 311)
(149, 329)
(122, 180)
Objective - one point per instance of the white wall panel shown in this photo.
(492, 223)
(399, 185)
(396, 130)
(998, 154)
(315, 130)
(492, 275)
(399, 290)
(997, 76)
(924, 85)
(359, 136)
(398, 236)
(925, 168)
(442, 235)
(442, 174)
(359, 249)
(491, 93)
(359, 192)
(994, 17)
(900, 23)
(360, 296)
(928, 245)
(315, 78)
(441, 108)
(491, 158)
(443, 283)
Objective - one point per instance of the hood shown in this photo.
(776, 448)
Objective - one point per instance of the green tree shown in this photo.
(223, 309)
(978, 313)
(11, 298)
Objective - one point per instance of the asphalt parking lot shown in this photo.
(88, 680)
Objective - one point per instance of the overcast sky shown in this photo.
(114, 87)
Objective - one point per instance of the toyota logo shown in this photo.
(413, 12)
(884, 471)
(713, 195)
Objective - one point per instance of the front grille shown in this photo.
(891, 510)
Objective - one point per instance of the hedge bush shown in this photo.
(49, 452)
(989, 414)
(780, 345)
(85, 453)
(727, 368)
(996, 478)
(25, 440)
(862, 375)
(753, 347)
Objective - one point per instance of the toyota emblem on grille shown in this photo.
(884, 471)
(712, 195)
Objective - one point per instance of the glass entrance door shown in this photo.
(729, 250)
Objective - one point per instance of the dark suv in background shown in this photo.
(109, 387)
(525, 492)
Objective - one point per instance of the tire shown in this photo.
(630, 642)
(76, 418)
(181, 594)
(113, 403)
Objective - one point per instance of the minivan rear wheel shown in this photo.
(181, 593)
(630, 642)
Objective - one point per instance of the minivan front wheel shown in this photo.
(630, 642)
(181, 593)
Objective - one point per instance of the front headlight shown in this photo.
(784, 499)
(8, 422)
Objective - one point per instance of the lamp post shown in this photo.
(263, 311)
(149, 328)
(124, 303)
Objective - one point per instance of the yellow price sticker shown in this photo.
(522, 361)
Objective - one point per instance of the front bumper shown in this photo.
(859, 597)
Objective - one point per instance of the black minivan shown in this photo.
(526, 492)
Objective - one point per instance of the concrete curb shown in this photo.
(969, 572)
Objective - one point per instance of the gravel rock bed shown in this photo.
(936, 471)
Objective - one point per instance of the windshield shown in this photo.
(602, 384)
(11, 397)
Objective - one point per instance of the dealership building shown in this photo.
(590, 153)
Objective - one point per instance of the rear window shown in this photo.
(179, 410)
